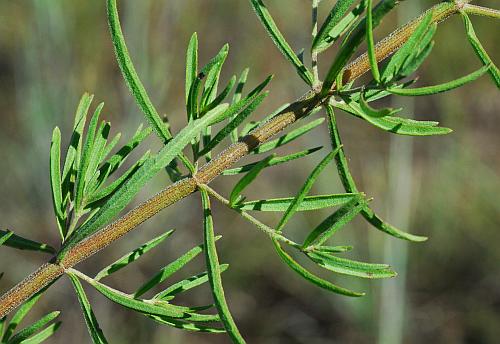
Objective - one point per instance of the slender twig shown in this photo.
(314, 54)
(481, 11)
(49, 272)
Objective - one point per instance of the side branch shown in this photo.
(49, 272)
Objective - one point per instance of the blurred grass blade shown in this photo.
(351, 267)
(186, 284)
(126, 192)
(273, 162)
(323, 39)
(429, 90)
(90, 320)
(371, 45)
(284, 139)
(27, 332)
(479, 50)
(214, 272)
(20, 243)
(355, 38)
(308, 276)
(191, 63)
(247, 179)
(224, 132)
(169, 270)
(55, 181)
(308, 203)
(334, 222)
(278, 39)
(43, 335)
(306, 187)
(132, 256)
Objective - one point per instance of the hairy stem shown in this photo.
(49, 272)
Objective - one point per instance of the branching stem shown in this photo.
(49, 272)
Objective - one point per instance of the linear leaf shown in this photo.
(308, 276)
(273, 162)
(278, 39)
(218, 100)
(132, 256)
(212, 79)
(479, 50)
(306, 187)
(184, 325)
(371, 112)
(191, 63)
(289, 137)
(323, 39)
(334, 222)
(333, 249)
(20, 243)
(55, 180)
(247, 179)
(371, 45)
(43, 335)
(32, 329)
(428, 90)
(214, 272)
(169, 270)
(186, 284)
(351, 267)
(90, 320)
(237, 97)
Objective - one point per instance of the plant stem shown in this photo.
(49, 272)
(314, 55)
(481, 11)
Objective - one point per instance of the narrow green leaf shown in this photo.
(43, 335)
(350, 46)
(289, 137)
(324, 39)
(224, 132)
(397, 125)
(83, 171)
(32, 329)
(73, 153)
(130, 75)
(350, 186)
(20, 243)
(214, 272)
(98, 147)
(184, 325)
(212, 79)
(429, 90)
(90, 320)
(220, 98)
(306, 187)
(371, 112)
(237, 97)
(169, 270)
(55, 180)
(371, 45)
(247, 179)
(126, 192)
(191, 63)
(132, 256)
(308, 203)
(334, 222)
(479, 50)
(351, 267)
(278, 39)
(186, 284)
(273, 162)
(4, 236)
(308, 276)
(333, 249)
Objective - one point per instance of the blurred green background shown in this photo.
(447, 188)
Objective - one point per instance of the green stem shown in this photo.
(481, 11)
